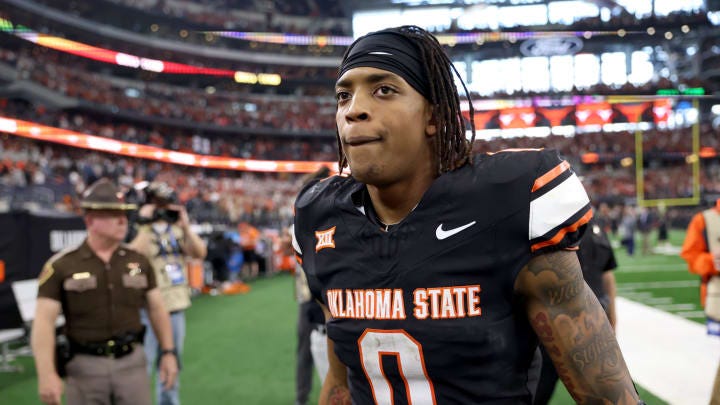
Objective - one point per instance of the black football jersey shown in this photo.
(426, 313)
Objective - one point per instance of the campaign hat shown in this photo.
(104, 195)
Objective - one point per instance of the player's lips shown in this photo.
(361, 140)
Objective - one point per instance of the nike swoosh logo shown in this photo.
(443, 234)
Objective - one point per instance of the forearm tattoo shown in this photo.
(338, 395)
(574, 329)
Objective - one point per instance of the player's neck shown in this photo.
(393, 203)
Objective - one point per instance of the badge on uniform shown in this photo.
(80, 282)
(134, 268)
(175, 273)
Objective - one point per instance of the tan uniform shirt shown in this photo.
(100, 301)
(712, 227)
(168, 260)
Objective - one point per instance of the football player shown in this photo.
(438, 271)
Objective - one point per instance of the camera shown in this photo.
(162, 196)
(166, 214)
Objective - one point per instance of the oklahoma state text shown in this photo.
(428, 303)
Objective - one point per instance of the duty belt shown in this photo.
(114, 348)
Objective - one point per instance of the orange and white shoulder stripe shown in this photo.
(551, 175)
(558, 202)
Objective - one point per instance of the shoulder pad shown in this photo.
(317, 188)
(509, 165)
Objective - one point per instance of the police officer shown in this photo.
(165, 237)
(100, 287)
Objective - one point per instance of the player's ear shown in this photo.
(431, 125)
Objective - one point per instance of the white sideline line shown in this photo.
(669, 250)
(652, 300)
(649, 268)
(636, 295)
(691, 314)
(676, 307)
(658, 284)
(670, 356)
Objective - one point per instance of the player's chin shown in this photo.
(370, 173)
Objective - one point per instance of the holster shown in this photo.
(63, 355)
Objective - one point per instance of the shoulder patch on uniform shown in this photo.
(325, 239)
(48, 270)
(45, 274)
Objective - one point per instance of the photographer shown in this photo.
(165, 237)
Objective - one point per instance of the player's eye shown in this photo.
(342, 96)
(385, 90)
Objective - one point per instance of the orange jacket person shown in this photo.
(701, 240)
(701, 250)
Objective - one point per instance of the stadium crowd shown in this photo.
(300, 17)
(309, 110)
(52, 176)
(610, 147)
(37, 63)
(232, 144)
(215, 116)
(221, 196)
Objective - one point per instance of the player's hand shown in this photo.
(168, 371)
(50, 389)
(716, 261)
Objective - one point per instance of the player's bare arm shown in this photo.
(334, 390)
(574, 329)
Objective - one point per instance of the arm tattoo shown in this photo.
(559, 276)
(338, 395)
(574, 329)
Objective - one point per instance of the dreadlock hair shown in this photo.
(452, 148)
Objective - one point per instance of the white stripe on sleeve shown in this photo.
(295, 243)
(556, 206)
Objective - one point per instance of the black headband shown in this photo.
(391, 51)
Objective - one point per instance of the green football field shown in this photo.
(240, 349)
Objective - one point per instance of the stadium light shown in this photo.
(246, 77)
(127, 60)
(269, 79)
(626, 162)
